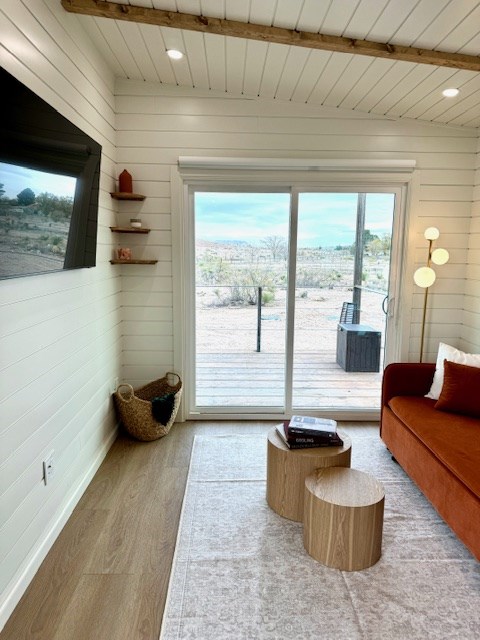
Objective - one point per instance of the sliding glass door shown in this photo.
(241, 269)
(342, 259)
(273, 272)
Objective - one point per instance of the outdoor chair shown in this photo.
(350, 313)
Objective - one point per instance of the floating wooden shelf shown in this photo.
(133, 261)
(130, 229)
(123, 195)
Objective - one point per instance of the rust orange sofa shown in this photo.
(439, 450)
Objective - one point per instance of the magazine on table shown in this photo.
(307, 425)
(302, 441)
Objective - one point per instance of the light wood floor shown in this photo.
(106, 577)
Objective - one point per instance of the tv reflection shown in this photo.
(35, 215)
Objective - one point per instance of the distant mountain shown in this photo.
(219, 243)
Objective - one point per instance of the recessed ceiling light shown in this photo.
(174, 54)
(450, 93)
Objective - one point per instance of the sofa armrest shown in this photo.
(406, 379)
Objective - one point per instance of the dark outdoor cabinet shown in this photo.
(358, 347)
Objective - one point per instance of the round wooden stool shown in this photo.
(343, 518)
(287, 470)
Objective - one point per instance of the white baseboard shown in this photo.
(17, 587)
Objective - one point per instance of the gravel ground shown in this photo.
(227, 328)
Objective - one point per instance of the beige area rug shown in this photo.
(241, 572)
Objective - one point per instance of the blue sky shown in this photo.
(16, 179)
(325, 219)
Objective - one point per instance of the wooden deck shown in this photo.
(257, 379)
(231, 373)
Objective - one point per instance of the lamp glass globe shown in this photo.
(440, 256)
(432, 233)
(424, 277)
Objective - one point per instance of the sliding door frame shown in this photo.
(190, 289)
(222, 174)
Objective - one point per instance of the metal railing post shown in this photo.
(259, 319)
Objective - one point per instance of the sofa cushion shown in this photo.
(454, 439)
(446, 352)
(460, 391)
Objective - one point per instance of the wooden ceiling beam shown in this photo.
(249, 31)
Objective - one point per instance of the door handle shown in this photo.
(385, 305)
(390, 307)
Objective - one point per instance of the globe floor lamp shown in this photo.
(424, 277)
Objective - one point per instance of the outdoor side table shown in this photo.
(358, 347)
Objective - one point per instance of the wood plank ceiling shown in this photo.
(247, 67)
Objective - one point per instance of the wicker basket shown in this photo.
(134, 406)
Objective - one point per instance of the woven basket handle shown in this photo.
(131, 392)
(171, 373)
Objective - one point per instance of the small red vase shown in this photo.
(125, 182)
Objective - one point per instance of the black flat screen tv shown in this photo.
(49, 185)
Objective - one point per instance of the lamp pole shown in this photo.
(425, 298)
(424, 277)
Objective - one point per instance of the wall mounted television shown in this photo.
(49, 185)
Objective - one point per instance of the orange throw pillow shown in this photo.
(461, 390)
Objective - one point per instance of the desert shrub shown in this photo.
(241, 287)
(212, 269)
(268, 296)
(26, 197)
(57, 207)
(318, 278)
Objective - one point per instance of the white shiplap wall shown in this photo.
(471, 318)
(155, 125)
(60, 345)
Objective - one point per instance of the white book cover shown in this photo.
(281, 433)
(313, 424)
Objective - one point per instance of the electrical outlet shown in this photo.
(115, 384)
(48, 468)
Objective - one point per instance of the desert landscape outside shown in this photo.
(241, 305)
(35, 214)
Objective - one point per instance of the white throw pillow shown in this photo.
(446, 352)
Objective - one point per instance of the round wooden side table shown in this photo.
(288, 468)
(343, 518)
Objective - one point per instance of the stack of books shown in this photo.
(304, 431)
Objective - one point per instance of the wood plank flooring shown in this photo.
(106, 576)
